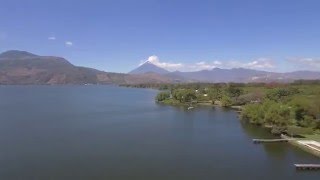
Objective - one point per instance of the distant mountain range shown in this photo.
(228, 75)
(21, 68)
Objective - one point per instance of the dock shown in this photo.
(307, 166)
(257, 141)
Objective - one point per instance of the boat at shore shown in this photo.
(190, 107)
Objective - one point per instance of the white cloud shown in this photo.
(260, 63)
(68, 43)
(170, 66)
(52, 38)
(306, 63)
(202, 65)
(217, 62)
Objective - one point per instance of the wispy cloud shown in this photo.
(305, 63)
(52, 38)
(69, 43)
(202, 65)
(260, 63)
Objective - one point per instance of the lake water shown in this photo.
(107, 132)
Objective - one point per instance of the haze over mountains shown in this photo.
(21, 68)
(228, 75)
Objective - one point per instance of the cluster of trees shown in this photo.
(288, 110)
(161, 86)
(184, 95)
(269, 113)
(226, 94)
(292, 108)
(177, 96)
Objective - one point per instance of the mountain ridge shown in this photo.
(16, 54)
(22, 68)
(243, 75)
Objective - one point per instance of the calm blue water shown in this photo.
(107, 132)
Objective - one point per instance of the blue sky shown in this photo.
(272, 35)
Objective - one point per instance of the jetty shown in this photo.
(307, 166)
(258, 141)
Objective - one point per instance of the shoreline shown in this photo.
(238, 110)
(301, 146)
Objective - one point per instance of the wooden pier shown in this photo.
(307, 166)
(257, 141)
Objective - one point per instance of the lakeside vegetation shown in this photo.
(292, 108)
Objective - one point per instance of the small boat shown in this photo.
(190, 107)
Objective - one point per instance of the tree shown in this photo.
(178, 95)
(278, 115)
(226, 101)
(184, 95)
(250, 97)
(215, 93)
(305, 111)
(162, 96)
(234, 92)
(279, 94)
(253, 113)
(189, 95)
